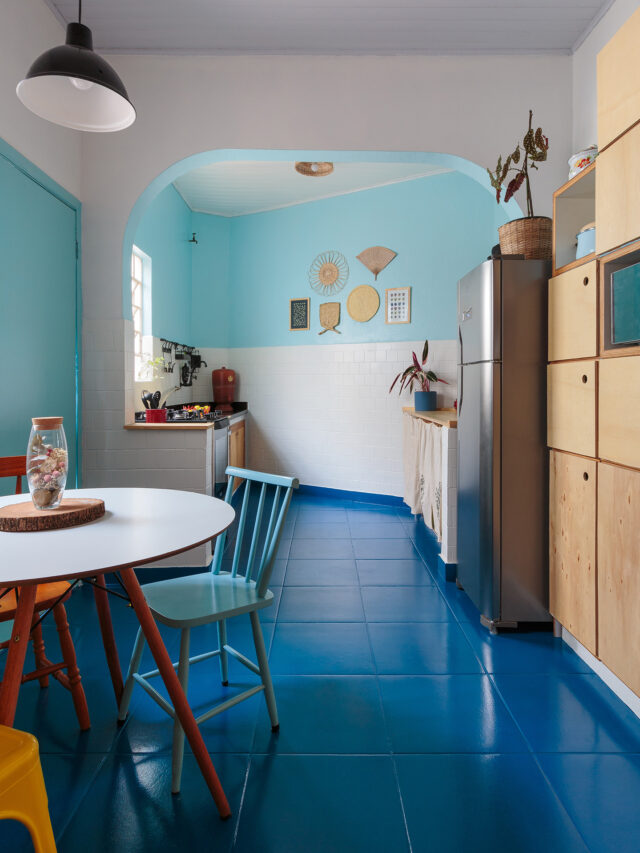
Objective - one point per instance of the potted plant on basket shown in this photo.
(425, 400)
(531, 235)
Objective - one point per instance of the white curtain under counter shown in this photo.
(429, 448)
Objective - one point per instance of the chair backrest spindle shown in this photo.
(241, 524)
(256, 534)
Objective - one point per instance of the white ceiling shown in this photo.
(336, 26)
(241, 188)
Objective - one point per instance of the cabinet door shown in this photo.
(237, 447)
(619, 572)
(617, 196)
(572, 545)
(573, 327)
(619, 410)
(571, 407)
(619, 82)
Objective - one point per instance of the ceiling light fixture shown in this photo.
(75, 87)
(314, 170)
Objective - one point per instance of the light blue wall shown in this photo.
(211, 290)
(163, 233)
(238, 280)
(39, 303)
(441, 227)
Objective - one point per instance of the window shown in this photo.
(140, 309)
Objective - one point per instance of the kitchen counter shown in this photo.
(188, 425)
(239, 409)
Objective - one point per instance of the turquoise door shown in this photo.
(38, 313)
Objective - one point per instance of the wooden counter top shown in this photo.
(441, 417)
(188, 425)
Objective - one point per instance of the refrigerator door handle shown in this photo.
(460, 388)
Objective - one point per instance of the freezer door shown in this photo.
(479, 314)
(479, 389)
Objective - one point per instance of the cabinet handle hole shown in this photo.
(585, 280)
(584, 378)
(585, 476)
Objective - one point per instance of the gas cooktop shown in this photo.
(177, 414)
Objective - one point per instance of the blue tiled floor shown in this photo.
(404, 724)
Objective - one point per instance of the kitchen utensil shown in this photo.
(329, 317)
(586, 240)
(168, 394)
(155, 400)
(146, 399)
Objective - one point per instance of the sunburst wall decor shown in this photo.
(328, 274)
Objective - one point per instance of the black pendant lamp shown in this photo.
(73, 86)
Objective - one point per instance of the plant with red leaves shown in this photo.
(535, 145)
(416, 374)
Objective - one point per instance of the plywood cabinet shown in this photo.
(571, 407)
(573, 325)
(619, 82)
(617, 196)
(619, 410)
(572, 545)
(619, 572)
(237, 452)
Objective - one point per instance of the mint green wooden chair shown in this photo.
(215, 596)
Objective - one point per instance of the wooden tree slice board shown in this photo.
(363, 303)
(25, 518)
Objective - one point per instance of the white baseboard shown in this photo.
(619, 688)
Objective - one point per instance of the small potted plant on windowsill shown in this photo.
(530, 235)
(154, 401)
(424, 400)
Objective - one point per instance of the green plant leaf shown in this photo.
(425, 352)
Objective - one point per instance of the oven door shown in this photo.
(221, 455)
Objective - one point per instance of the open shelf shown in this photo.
(574, 206)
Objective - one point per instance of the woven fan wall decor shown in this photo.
(328, 274)
(329, 317)
(376, 258)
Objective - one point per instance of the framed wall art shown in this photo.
(298, 315)
(398, 305)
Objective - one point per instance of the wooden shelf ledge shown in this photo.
(439, 417)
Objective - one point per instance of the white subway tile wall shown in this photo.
(322, 413)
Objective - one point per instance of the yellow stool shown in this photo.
(23, 795)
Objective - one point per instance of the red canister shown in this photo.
(224, 388)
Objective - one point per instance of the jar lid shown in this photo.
(47, 423)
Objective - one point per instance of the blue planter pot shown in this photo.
(425, 401)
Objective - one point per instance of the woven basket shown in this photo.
(529, 236)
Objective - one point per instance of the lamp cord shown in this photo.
(79, 11)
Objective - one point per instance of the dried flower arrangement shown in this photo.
(47, 473)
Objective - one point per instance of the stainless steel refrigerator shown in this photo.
(502, 457)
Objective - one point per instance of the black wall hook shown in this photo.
(193, 239)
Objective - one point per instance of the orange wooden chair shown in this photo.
(50, 596)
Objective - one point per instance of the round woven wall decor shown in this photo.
(328, 274)
(363, 303)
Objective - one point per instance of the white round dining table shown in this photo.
(140, 526)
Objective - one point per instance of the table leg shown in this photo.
(168, 673)
(108, 639)
(12, 679)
